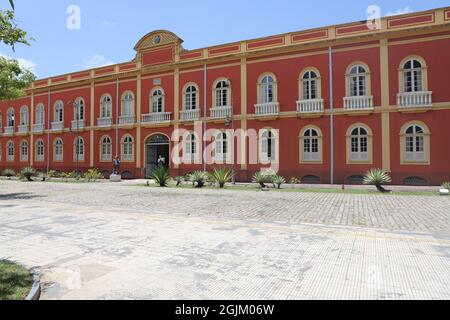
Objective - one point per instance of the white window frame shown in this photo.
(11, 119)
(128, 104)
(310, 85)
(24, 116)
(157, 100)
(415, 144)
(191, 98)
(79, 110)
(417, 77)
(40, 114)
(40, 150)
(106, 149)
(311, 145)
(127, 148)
(268, 146)
(358, 74)
(106, 107)
(191, 148)
(10, 151)
(80, 149)
(267, 89)
(58, 150)
(24, 151)
(59, 112)
(222, 93)
(358, 143)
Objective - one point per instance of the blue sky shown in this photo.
(110, 28)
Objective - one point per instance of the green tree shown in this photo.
(10, 33)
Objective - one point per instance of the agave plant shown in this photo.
(28, 173)
(378, 178)
(279, 181)
(264, 176)
(446, 185)
(199, 178)
(161, 176)
(9, 173)
(222, 176)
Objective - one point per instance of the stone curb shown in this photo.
(35, 291)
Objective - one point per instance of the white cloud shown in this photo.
(97, 60)
(26, 64)
(108, 24)
(399, 11)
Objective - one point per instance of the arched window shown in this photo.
(59, 112)
(40, 114)
(191, 98)
(24, 151)
(106, 147)
(222, 148)
(268, 145)
(360, 144)
(10, 151)
(24, 118)
(413, 76)
(415, 143)
(39, 150)
(58, 152)
(79, 109)
(157, 99)
(78, 149)
(358, 81)
(106, 107)
(128, 104)
(267, 89)
(309, 86)
(127, 148)
(311, 145)
(222, 94)
(10, 117)
(190, 148)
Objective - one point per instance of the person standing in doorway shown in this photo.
(161, 162)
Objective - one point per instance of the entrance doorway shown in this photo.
(155, 146)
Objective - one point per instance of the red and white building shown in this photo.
(269, 101)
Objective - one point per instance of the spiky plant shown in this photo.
(294, 180)
(161, 176)
(264, 176)
(199, 178)
(446, 185)
(378, 178)
(28, 173)
(279, 181)
(9, 173)
(222, 176)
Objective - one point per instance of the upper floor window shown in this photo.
(10, 117)
(40, 150)
(310, 85)
(127, 148)
(358, 81)
(59, 112)
(106, 107)
(268, 145)
(310, 145)
(222, 94)
(128, 104)
(267, 89)
(191, 97)
(359, 144)
(24, 151)
(10, 151)
(415, 141)
(24, 117)
(106, 147)
(40, 114)
(79, 109)
(58, 150)
(157, 99)
(413, 76)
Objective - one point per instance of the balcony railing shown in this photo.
(104, 122)
(267, 109)
(310, 106)
(358, 103)
(23, 128)
(190, 115)
(9, 131)
(157, 117)
(37, 128)
(415, 99)
(57, 126)
(221, 112)
(78, 125)
(127, 120)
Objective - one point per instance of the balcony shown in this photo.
(22, 129)
(78, 125)
(413, 100)
(312, 106)
(359, 103)
(127, 120)
(190, 115)
(104, 122)
(267, 109)
(221, 112)
(9, 131)
(157, 117)
(38, 128)
(57, 126)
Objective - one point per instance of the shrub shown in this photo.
(54, 174)
(68, 175)
(222, 176)
(294, 180)
(446, 185)
(278, 181)
(93, 175)
(378, 178)
(9, 173)
(199, 178)
(179, 180)
(264, 176)
(28, 173)
(161, 176)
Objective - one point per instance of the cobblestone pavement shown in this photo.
(93, 242)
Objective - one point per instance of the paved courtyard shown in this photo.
(106, 241)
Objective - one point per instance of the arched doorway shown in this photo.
(155, 146)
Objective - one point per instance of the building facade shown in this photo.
(322, 105)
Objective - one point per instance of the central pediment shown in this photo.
(157, 38)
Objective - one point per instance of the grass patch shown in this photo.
(15, 281)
